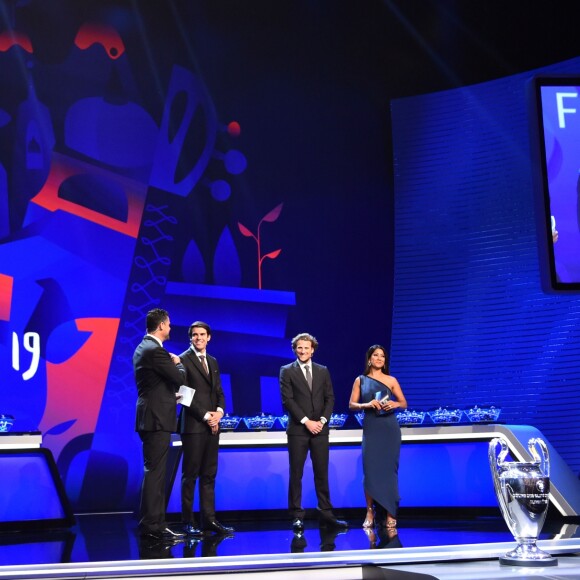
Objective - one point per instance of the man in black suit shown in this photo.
(307, 395)
(158, 375)
(199, 430)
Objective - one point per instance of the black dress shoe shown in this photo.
(298, 523)
(215, 526)
(334, 523)
(190, 547)
(166, 535)
(151, 548)
(298, 543)
(191, 530)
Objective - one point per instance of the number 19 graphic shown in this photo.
(31, 343)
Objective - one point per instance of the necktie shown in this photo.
(308, 375)
(204, 364)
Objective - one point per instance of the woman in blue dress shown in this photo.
(378, 394)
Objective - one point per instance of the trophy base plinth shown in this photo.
(528, 555)
(547, 562)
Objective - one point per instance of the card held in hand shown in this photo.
(186, 395)
(382, 398)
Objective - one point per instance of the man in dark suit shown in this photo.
(199, 430)
(307, 395)
(158, 375)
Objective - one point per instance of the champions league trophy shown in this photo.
(522, 490)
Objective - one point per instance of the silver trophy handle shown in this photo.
(495, 460)
(544, 459)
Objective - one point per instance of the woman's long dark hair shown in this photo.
(370, 351)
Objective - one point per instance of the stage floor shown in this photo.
(107, 545)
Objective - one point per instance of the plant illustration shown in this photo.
(271, 216)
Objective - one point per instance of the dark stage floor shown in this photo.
(113, 537)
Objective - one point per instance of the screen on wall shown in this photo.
(557, 140)
(132, 177)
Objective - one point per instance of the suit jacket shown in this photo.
(158, 378)
(208, 395)
(300, 402)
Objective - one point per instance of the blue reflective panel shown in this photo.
(439, 474)
(28, 490)
(32, 553)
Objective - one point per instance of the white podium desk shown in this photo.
(32, 440)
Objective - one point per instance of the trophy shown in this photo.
(522, 490)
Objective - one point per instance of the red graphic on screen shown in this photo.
(107, 37)
(234, 129)
(6, 285)
(10, 38)
(75, 387)
(271, 216)
(62, 168)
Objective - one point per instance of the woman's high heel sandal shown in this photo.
(370, 519)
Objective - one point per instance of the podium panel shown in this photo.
(440, 466)
(32, 496)
(436, 474)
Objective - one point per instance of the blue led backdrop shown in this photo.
(143, 164)
(232, 162)
(471, 324)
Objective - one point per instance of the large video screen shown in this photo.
(557, 140)
(135, 175)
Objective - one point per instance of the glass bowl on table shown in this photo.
(260, 422)
(337, 420)
(229, 422)
(483, 414)
(6, 423)
(409, 417)
(446, 416)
